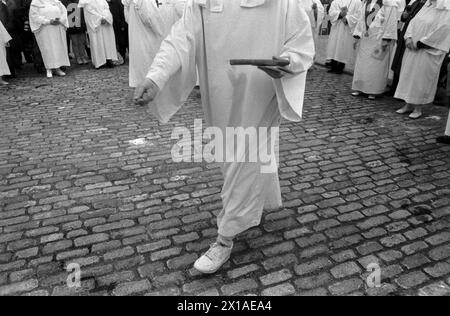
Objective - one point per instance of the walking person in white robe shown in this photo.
(5, 38)
(148, 25)
(428, 42)
(49, 23)
(208, 36)
(375, 34)
(99, 22)
(344, 15)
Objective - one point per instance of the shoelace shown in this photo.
(214, 252)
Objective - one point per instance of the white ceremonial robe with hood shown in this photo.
(340, 42)
(4, 39)
(378, 21)
(419, 76)
(101, 36)
(51, 39)
(237, 96)
(148, 25)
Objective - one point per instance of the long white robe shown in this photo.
(420, 68)
(340, 42)
(101, 36)
(240, 96)
(51, 39)
(4, 39)
(371, 75)
(148, 25)
(447, 129)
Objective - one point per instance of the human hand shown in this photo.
(104, 21)
(276, 72)
(146, 92)
(55, 22)
(410, 44)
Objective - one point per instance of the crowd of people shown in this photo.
(402, 46)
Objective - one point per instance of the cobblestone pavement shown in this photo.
(87, 178)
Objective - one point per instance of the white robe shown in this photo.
(101, 36)
(340, 42)
(316, 23)
(447, 129)
(420, 68)
(148, 25)
(371, 75)
(4, 39)
(240, 96)
(51, 39)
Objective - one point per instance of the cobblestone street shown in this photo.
(87, 177)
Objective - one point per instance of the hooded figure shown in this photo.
(209, 35)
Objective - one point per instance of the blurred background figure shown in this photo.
(102, 41)
(48, 21)
(410, 12)
(316, 14)
(344, 15)
(120, 28)
(77, 31)
(375, 34)
(5, 38)
(427, 41)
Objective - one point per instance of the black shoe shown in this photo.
(110, 64)
(339, 72)
(443, 140)
(332, 71)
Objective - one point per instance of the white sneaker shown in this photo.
(60, 73)
(49, 74)
(213, 259)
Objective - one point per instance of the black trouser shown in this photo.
(10, 61)
(337, 67)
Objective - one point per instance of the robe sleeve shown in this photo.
(151, 17)
(387, 21)
(334, 12)
(92, 14)
(320, 14)
(354, 14)
(64, 19)
(360, 27)
(126, 9)
(439, 38)
(4, 35)
(36, 19)
(174, 67)
(299, 49)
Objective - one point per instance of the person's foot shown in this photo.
(406, 109)
(49, 74)
(213, 259)
(443, 139)
(60, 73)
(332, 71)
(110, 64)
(86, 61)
(415, 114)
(79, 61)
(339, 72)
(356, 94)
